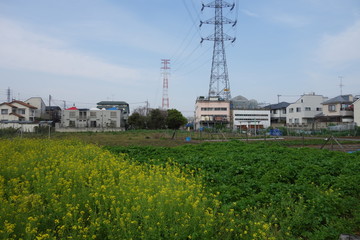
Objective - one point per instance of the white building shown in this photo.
(17, 111)
(90, 118)
(356, 105)
(303, 111)
(39, 104)
(251, 119)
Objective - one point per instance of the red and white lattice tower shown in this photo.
(165, 73)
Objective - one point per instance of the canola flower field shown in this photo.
(66, 189)
(69, 190)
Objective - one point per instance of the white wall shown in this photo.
(93, 118)
(251, 117)
(311, 101)
(22, 127)
(357, 112)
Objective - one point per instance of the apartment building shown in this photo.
(90, 118)
(211, 111)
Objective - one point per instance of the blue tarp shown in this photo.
(275, 132)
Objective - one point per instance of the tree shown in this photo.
(137, 121)
(175, 119)
(157, 119)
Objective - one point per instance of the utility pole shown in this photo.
(165, 73)
(8, 95)
(147, 108)
(341, 84)
(219, 78)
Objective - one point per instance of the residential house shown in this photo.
(211, 111)
(278, 112)
(302, 112)
(338, 110)
(17, 111)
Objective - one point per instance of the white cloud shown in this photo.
(340, 49)
(291, 20)
(25, 50)
(249, 13)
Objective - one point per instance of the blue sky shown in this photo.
(86, 51)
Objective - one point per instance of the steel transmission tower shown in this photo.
(165, 98)
(219, 78)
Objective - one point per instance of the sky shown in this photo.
(84, 51)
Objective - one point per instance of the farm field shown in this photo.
(56, 189)
(295, 193)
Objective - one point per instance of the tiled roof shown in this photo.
(277, 106)
(18, 115)
(10, 105)
(339, 99)
(24, 104)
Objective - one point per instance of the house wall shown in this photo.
(29, 114)
(278, 113)
(39, 103)
(304, 109)
(340, 110)
(5, 116)
(357, 112)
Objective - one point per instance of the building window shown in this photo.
(298, 109)
(274, 111)
(21, 111)
(307, 108)
(93, 114)
(92, 123)
(291, 110)
(332, 108)
(71, 123)
(72, 114)
(4, 111)
(345, 107)
(296, 120)
(113, 123)
(284, 111)
(113, 114)
(319, 109)
(290, 120)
